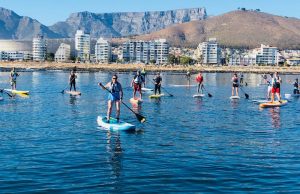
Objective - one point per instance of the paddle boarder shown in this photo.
(115, 96)
(242, 78)
(276, 81)
(199, 80)
(144, 73)
(72, 80)
(188, 77)
(136, 84)
(235, 85)
(13, 78)
(157, 83)
(296, 86)
(269, 82)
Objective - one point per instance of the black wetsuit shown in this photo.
(296, 89)
(157, 82)
(72, 82)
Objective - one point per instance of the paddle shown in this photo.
(246, 95)
(63, 91)
(171, 95)
(2, 90)
(138, 116)
(209, 95)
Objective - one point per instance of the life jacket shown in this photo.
(115, 87)
(138, 79)
(199, 79)
(275, 82)
(13, 75)
(235, 80)
(296, 85)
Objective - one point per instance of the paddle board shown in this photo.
(147, 89)
(114, 124)
(73, 93)
(273, 104)
(234, 97)
(156, 96)
(291, 95)
(136, 101)
(17, 91)
(198, 95)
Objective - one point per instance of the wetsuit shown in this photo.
(143, 73)
(115, 89)
(72, 81)
(157, 82)
(199, 79)
(242, 78)
(296, 87)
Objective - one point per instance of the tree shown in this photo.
(185, 60)
(50, 57)
(258, 10)
(171, 59)
(152, 61)
(243, 9)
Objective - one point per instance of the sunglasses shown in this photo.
(114, 78)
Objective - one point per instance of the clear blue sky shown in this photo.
(50, 11)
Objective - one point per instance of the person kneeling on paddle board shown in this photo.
(296, 86)
(157, 83)
(13, 79)
(235, 85)
(199, 80)
(276, 81)
(136, 83)
(115, 96)
(72, 79)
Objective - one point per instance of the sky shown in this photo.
(49, 12)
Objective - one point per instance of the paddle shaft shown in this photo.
(67, 86)
(207, 91)
(246, 95)
(2, 90)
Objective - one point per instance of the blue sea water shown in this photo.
(50, 142)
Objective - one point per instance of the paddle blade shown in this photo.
(209, 95)
(63, 91)
(171, 95)
(140, 118)
(247, 96)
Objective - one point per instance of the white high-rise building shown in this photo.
(267, 55)
(209, 52)
(103, 51)
(82, 45)
(39, 48)
(63, 53)
(143, 51)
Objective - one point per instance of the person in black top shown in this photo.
(296, 86)
(72, 79)
(157, 83)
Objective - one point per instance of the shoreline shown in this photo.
(36, 66)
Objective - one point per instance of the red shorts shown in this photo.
(137, 87)
(275, 90)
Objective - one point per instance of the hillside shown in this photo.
(235, 29)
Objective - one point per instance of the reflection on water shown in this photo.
(275, 117)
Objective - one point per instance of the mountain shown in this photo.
(126, 23)
(235, 29)
(13, 26)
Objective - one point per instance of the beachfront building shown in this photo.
(156, 51)
(103, 51)
(293, 61)
(39, 48)
(209, 52)
(267, 55)
(82, 45)
(15, 50)
(63, 53)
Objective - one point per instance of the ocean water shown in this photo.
(50, 142)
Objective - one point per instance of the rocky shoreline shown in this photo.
(31, 66)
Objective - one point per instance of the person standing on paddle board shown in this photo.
(13, 79)
(115, 96)
(136, 84)
(235, 85)
(188, 77)
(269, 82)
(72, 80)
(296, 86)
(276, 81)
(157, 83)
(242, 78)
(199, 80)
(144, 74)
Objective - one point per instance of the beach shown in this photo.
(150, 68)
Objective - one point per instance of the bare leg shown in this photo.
(278, 96)
(118, 109)
(109, 108)
(141, 93)
(272, 97)
(237, 91)
(232, 91)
